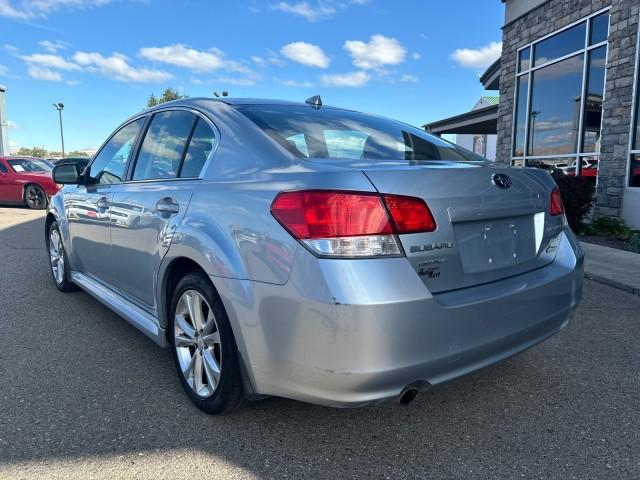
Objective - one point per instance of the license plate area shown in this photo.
(494, 244)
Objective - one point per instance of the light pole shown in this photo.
(60, 106)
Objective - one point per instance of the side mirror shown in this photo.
(66, 174)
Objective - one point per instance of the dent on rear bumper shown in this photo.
(348, 333)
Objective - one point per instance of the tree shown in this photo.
(32, 152)
(77, 153)
(168, 95)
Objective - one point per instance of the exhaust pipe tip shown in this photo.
(408, 395)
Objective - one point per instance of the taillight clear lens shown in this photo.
(557, 208)
(351, 224)
(337, 223)
(409, 214)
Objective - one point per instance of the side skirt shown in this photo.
(139, 318)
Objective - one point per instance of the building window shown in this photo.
(480, 145)
(558, 99)
(634, 156)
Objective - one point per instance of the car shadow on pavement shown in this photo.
(77, 381)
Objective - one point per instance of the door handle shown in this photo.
(168, 205)
(103, 204)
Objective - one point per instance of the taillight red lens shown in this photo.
(409, 214)
(557, 208)
(313, 214)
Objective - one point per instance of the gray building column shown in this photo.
(4, 137)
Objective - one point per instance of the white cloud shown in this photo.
(185, 57)
(409, 78)
(117, 66)
(355, 79)
(10, 48)
(294, 83)
(478, 58)
(28, 9)
(241, 81)
(416, 56)
(43, 73)
(304, 9)
(53, 47)
(11, 125)
(258, 60)
(49, 61)
(73, 83)
(378, 52)
(306, 54)
(4, 71)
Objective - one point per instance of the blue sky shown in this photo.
(413, 60)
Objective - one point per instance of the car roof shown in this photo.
(194, 101)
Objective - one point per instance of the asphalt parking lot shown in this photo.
(84, 395)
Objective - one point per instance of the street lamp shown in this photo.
(60, 106)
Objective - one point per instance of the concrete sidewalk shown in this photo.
(614, 267)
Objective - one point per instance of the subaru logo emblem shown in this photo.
(501, 180)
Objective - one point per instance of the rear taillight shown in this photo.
(557, 208)
(350, 224)
(409, 214)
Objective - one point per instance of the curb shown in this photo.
(613, 283)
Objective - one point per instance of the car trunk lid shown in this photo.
(485, 233)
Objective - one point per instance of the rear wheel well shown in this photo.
(175, 271)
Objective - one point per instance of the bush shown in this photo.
(577, 196)
(609, 227)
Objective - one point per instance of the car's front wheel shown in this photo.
(58, 260)
(205, 352)
(35, 197)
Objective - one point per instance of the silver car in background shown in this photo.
(313, 253)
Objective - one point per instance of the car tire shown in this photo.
(203, 344)
(59, 266)
(35, 197)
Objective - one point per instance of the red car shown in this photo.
(26, 181)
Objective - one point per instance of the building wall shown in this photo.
(616, 115)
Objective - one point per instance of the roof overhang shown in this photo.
(480, 121)
(490, 79)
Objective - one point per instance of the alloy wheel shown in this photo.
(197, 343)
(56, 253)
(35, 197)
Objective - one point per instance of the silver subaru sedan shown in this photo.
(310, 252)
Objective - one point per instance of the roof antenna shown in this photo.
(316, 101)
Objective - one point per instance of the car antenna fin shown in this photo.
(316, 101)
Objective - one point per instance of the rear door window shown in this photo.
(164, 145)
(200, 147)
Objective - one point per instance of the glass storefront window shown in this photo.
(560, 83)
(521, 109)
(634, 173)
(599, 28)
(555, 107)
(592, 117)
(555, 166)
(561, 44)
(589, 167)
(523, 59)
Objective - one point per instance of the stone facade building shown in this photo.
(568, 83)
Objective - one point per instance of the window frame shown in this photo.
(138, 146)
(585, 50)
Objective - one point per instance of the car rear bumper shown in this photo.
(349, 333)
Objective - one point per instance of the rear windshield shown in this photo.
(308, 132)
